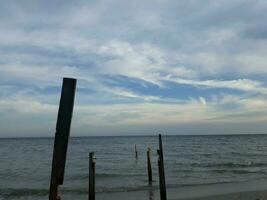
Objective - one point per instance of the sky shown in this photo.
(143, 66)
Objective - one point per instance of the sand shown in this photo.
(252, 190)
(254, 195)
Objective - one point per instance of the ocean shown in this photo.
(25, 164)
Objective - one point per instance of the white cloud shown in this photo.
(253, 63)
(150, 42)
(239, 84)
(142, 61)
(26, 106)
(203, 101)
(41, 75)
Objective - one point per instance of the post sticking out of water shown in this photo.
(91, 176)
(62, 136)
(136, 153)
(163, 194)
(149, 168)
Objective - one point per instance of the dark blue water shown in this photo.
(25, 164)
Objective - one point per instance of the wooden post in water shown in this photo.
(163, 194)
(136, 153)
(149, 168)
(91, 176)
(62, 136)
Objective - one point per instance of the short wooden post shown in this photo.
(136, 153)
(149, 168)
(91, 176)
(163, 194)
(62, 136)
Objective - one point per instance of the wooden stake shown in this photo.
(62, 136)
(91, 176)
(149, 168)
(136, 153)
(163, 194)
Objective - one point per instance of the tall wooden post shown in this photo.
(163, 194)
(62, 136)
(91, 195)
(149, 168)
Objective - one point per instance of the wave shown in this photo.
(235, 171)
(229, 165)
(11, 193)
(106, 175)
(41, 192)
(188, 173)
(19, 192)
(249, 154)
(102, 175)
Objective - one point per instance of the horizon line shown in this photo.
(145, 135)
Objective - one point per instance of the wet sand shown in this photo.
(255, 195)
(252, 195)
(253, 190)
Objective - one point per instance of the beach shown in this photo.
(256, 195)
(229, 191)
(251, 190)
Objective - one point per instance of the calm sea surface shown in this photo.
(25, 164)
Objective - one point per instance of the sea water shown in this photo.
(25, 164)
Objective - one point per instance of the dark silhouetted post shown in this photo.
(136, 153)
(163, 194)
(62, 136)
(149, 168)
(91, 176)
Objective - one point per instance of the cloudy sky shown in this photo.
(143, 66)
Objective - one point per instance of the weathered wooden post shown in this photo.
(163, 194)
(62, 136)
(91, 176)
(136, 153)
(149, 168)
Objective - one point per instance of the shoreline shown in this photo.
(252, 195)
(255, 189)
(251, 190)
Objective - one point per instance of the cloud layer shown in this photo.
(141, 66)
